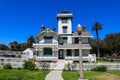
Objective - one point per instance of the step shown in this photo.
(60, 65)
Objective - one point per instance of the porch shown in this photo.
(68, 54)
(73, 54)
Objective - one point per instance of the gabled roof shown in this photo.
(47, 31)
(32, 49)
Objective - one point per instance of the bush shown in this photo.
(45, 65)
(30, 65)
(74, 65)
(19, 68)
(100, 68)
(7, 66)
(69, 66)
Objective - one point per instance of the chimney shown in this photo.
(43, 27)
(84, 28)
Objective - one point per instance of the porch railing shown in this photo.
(46, 58)
(76, 58)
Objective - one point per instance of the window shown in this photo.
(37, 53)
(48, 39)
(76, 52)
(64, 20)
(85, 41)
(85, 52)
(64, 29)
(69, 53)
(47, 51)
(28, 53)
(76, 40)
(64, 40)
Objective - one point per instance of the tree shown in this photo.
(30, 41)
(93, 45)
(113, 43)
(14, 46)
(96, 27)
(3, 47)
(23, 46)
(109, 46)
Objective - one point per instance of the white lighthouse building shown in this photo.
(64, 44)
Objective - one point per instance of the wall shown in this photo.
(60, 25)
(28, 53)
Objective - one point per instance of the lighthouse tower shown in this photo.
(65, 25)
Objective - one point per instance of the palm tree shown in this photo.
(96, 27)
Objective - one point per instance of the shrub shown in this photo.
(45, 65)
(100, 68)
(19, 68)
(68, 67)
(7, 66)
(74, 65)
(29, 65)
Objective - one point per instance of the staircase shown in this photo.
(60, 65)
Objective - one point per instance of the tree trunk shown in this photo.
(98, 54)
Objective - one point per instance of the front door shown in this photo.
(60, 54)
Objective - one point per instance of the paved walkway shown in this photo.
(56, 74)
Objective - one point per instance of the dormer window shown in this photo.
(48, 39)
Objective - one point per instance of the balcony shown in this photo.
(74, 46)
(68, 46)
(86, 46)
(41, 45)
(45, 44)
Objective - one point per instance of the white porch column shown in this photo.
(65, 52)
(53, 52)
(73, 51)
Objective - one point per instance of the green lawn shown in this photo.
(15, 74)
(91, 75)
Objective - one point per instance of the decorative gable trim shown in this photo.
(47, 31)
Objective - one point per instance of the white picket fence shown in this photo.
(110, 66)
(18, 62)
(15, 62)
(89, 66)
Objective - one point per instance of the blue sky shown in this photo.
(21, 18)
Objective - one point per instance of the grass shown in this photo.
(15, 74)
(104, 60)
(92, 75)
(101, 60)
